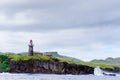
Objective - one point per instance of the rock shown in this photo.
(1, 70)
(48, 67)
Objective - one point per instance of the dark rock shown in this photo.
(1, 70)
(114, 70)
(48, 67)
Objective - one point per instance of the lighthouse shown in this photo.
(30, 53)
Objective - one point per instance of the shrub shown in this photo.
(4, 62)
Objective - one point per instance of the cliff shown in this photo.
(48, 67)
(17, 63)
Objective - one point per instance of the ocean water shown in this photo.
(9, 76)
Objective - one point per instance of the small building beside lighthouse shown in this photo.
(30, 51)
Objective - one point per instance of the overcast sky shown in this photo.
(84, 29)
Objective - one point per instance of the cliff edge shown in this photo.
(48, 67)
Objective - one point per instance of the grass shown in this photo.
(103, 66)
(17, 57)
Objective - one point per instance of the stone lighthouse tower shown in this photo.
(30, 53)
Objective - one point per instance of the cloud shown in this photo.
(54, 15)
(81, 27)
(18, 19)
(79, 43)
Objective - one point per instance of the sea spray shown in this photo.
(98, 71)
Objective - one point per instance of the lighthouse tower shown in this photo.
(30, 53)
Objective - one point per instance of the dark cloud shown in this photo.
(60, 14)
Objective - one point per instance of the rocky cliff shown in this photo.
(48, 67)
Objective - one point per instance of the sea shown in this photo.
(9, 76)
(98, 75)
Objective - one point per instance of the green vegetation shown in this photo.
(64, 58)
(17, 57)
(4, 62)
(71, 60)
(112, 62)
(6, 57)
(87, 63)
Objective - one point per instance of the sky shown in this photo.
(84, 29)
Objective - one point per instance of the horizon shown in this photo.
(81, 29)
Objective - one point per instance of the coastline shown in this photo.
(48, 67)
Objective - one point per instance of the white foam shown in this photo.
(98, 71)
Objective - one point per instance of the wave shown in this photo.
(100, 72)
